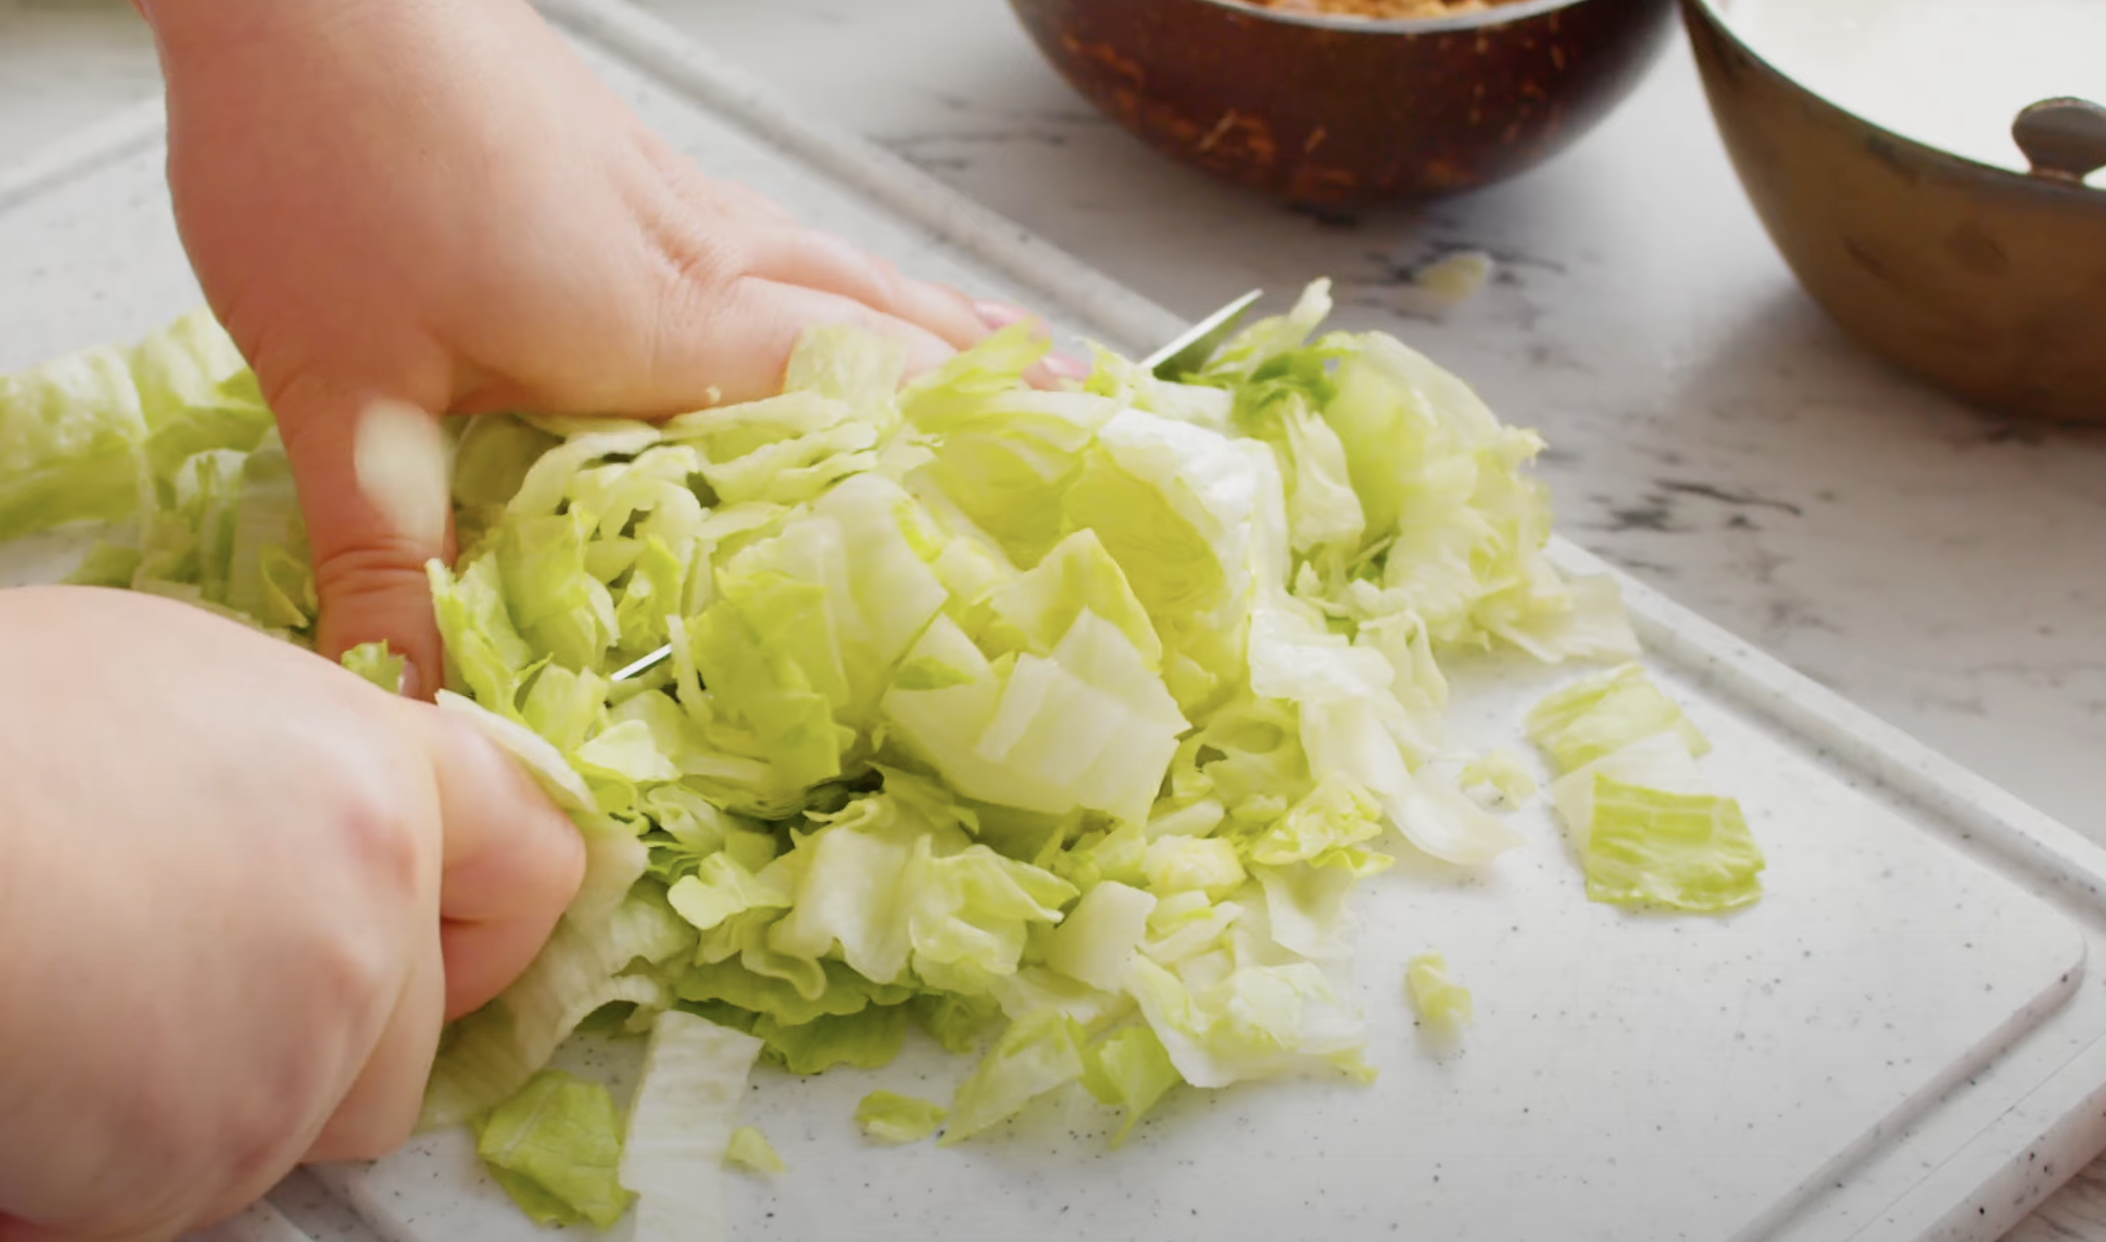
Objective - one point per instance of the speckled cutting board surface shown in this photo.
(1905, 1040)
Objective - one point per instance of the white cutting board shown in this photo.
(1904, 1040)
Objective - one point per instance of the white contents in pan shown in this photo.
(1951, 74)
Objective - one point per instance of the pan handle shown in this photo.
(2065, 139)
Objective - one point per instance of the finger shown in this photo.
(379, 1113)
(821, 261)
(1050, 371)
(740, 345)
(373, 484)
(510, 864)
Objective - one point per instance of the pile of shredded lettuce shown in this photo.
(171, 440)
(1059, 725)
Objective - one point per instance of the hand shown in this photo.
(437, 203)
(232, 921)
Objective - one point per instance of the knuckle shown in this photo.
(374, 571)
(381, 842)
(696, 258)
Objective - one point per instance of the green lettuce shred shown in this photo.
(892, 1118)
(1683, 851)
(556, 1148)
(1648, 829)
(1598, 715)
(1442, 1002)
(377, 664)
(750, 1149)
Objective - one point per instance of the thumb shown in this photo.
(510, 862)
(374, 486)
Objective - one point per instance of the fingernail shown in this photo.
(999, 315)
(1067, 367)
(408, 684)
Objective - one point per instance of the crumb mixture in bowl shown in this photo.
(1381, 10)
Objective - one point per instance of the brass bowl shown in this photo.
(1337, 111)
(1989, 283)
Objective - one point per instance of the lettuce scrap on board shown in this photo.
(1060, 725)
(1648, 829)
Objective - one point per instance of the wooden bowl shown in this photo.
(1989, 283)
(1337, 111)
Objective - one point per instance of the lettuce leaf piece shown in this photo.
(71, 432)
(1328, 828)
(1087, 725)
(1177, 864)
(556, 1147)
(1501, 772)
(1003, 463)
(1099, 937)
(721, 886)
(750, 1149)
(1254, 1021)
(828, 606)
(868, 1039)
(486, 659)
(741, 979)
(492, 458)
(854, 890)
(1354, 731)
(1597, 715)
(1172, 503)
(188, 366)
(1305, 906)
(957, 1022)
(489, 1054)
(1036, 610)
(560, 610)
(1037, 1054)
(1129, 1070)
(270, 575)
(1038, 989)
(377, 664)
(889, 1117)
(680, 1127)
(972, 912)
(1246, 354)
(1587, 623)
(1683, 851)
(1658, 761)
(1442, 1002)
(970, 379)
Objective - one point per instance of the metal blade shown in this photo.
(1191, 350)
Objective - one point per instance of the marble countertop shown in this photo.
(1711, 431)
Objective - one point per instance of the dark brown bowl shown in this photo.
(1332, 111)
(1989, 283)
